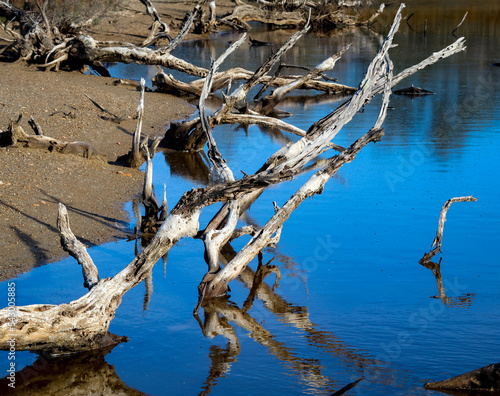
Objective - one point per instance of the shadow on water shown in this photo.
(192, 166)
(83, 374)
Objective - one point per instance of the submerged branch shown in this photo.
(436, 243)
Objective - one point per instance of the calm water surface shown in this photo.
(353, 301)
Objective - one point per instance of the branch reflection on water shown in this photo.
(461, 301)
(218, 313)
(82, 374)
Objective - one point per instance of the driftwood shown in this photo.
(242, 14)
(38, 42)
(294, 14)
(413, 91)
(83, 324)
(483, 379)
(151, 10)
(155, 213)
(15, 136)
(460, 24)
(167, 83)
(189, 136)
(330, 119)
(134, 158)
(76, 249)
(436, 243)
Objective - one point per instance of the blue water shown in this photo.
(353, 301)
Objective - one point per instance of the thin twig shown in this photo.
(100, 107)
(460, 24)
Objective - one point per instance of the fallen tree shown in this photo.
(15, 136)
(326, 15)
(83, 324)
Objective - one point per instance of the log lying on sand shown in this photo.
(15, 136)
(83, 324)
(326, 15)
(483, 379)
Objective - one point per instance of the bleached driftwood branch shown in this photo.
(77, 249)
(436, 243)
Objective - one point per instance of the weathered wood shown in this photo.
(315, 185)
(151, 10)
(134, 158)
(327, 15)
(321, 133)
(155, 213)
(241, 92)
(76, 249)
(189, 135)
(83, 324)
(329, 120)
(460, 24)
(36, 127)
(220, 171)
(486, 379)
(186, 136)
(380, 67)
(413, 91)
(266, 105)
(436, 243)
(248, 13)
(155, 35)
(15, 136)
(167, 83)
(188, 24)
(32, 41)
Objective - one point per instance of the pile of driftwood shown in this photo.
(83, 324)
